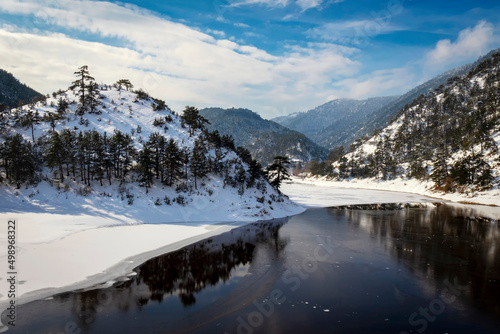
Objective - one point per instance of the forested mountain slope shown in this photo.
(264, 139)
(12, 92)
(336, 123)
(450, 136)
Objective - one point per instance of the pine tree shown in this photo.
(55, 154)
(198, 161)
(193, 119)
(30, 119)
(92, 98)
(124, 82)
(83, 81)
(146, 165)
(156, 143)
(19, 159)
(277, 171)
(172, 162)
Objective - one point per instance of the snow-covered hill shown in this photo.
(100, 169)
(449, 138)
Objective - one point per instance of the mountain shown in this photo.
(343, 121)
(336, 123)
(264, 139)
(385, 115)
(103, 148)
(450, 136)
(12, 92)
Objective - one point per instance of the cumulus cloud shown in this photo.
(170, 60)
(470, 44)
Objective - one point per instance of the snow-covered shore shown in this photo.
(405, 187)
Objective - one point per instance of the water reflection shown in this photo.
(210, 264)
(443, 244)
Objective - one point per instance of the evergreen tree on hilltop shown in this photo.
(83, 82)
(125, 83)
(278, 171)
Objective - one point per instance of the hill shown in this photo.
(13, 92)
(336, 123)
(108, 149)
(386, 114)
(449, 136)
(264, 139)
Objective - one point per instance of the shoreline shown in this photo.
(489, 198)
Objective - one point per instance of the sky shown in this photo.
(274, 57)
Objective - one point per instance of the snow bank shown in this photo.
(320, 193)
(405, 190)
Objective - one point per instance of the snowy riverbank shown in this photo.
(406, 188)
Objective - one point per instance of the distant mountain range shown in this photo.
(264, 139)
(13, 92)
(338, 122)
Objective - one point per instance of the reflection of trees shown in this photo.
(192, 269)
(443, 243)
(206, 263)
(183, 272)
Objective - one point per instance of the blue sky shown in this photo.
(272, 56)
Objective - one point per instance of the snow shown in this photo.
(402, 191)
(316, 193)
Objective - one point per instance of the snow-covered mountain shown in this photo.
(105, 149)
(12, 92)
(264, 139)
(336, 123)
(450, 136)
(386, 114)
(341, 122)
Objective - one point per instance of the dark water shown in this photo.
(324, 271)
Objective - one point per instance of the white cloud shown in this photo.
(470, 44)
(377, 83)
(268, 3)
(216, 32)
(308, 4)
(170, 60)
(353, 32)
